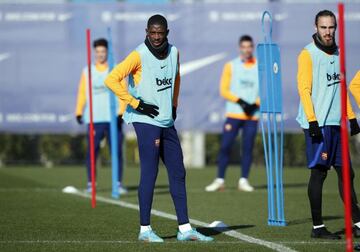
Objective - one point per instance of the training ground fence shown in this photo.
(43, 52)
(68, 150)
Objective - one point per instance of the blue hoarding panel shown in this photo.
(43, 51)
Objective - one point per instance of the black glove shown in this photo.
(79, 119)
(174, 115)
(354, 127)
(119, 121)
(357, 247)
(249, 110)
(243, 104)
(148, 109)
(314, 129)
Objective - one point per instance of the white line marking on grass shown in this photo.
(106, 242)
(175, 242)
(313, 242)
(42, 189)
(29, 189)
(231, 233)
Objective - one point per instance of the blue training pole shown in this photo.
(272, 89)
(280, 185)
(264, 116)
(113, 127)
(272, 130)
(270, 151)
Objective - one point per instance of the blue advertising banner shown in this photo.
(43, 51)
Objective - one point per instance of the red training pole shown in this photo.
(345, 155)
(91, 130)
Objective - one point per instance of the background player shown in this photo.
(355, 87)
(355, 90)
(101, 107)
(319, 116)
(240, 87)
(152, 95)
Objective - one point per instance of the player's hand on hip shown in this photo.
(174, 114)
(243, 104)
(148, 109)
(354, 127)
(119, 121)
(250, 109)
(314, 129)
(79, 119)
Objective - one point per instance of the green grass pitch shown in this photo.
(36, 216)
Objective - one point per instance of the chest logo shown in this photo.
(99, 89)
(247, 83)
(333, 79)
(164, 83)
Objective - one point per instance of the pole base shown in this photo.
(115, 195)
(278, 223)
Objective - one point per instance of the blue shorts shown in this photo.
(324, 151)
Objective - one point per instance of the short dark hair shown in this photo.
(325, 13)
(244, 38)
(100, 42)
(157, 19)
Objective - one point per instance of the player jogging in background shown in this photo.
(152, 95)
(101, 107)
(240, 87)
(355, 90)
(319, 116)
(355, 87)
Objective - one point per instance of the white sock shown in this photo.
(145, 228)
(185, 227)
(220, 180)
(357, 224)
(319, 226)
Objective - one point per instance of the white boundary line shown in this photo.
(42, 189)
(174, 242)
(132, 193)
(30, 189)
(240, 236)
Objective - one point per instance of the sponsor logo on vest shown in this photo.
(335, 78)
(164, 83)
(247, 83)
(99, 89)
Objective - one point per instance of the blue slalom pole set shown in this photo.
(272, 123)
(113, 126)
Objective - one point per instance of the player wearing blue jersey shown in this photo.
(101, 107)
(152, 94)
(319, 116)
(240, 87)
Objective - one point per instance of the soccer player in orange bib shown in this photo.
(319, 116)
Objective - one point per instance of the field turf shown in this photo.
(36, 216)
